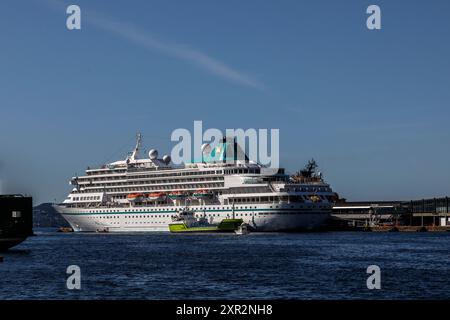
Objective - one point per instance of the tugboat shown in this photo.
(186, 222)
(16, 220)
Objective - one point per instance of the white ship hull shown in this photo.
(266, 218)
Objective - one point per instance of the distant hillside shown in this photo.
(45, 216)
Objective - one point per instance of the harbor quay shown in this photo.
(431, 214)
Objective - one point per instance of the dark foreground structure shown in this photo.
(424, 212)
(16, 220)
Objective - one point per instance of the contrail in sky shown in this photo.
(144, 39)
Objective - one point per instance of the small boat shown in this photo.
(65, 229)
(135, 196)
(242, 229)
(202, 194)
(156, 196)
(176, 195)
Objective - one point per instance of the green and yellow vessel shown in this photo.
(226, 225)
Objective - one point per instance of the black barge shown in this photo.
(16, 220)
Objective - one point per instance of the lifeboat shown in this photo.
(176, 195)
(135, 196)
(156, 196)
(202, 194)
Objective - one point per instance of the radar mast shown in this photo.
(135, 154)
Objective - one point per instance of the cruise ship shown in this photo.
(142, 194)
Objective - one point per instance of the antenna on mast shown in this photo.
(135, 154)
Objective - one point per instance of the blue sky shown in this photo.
(372, 107)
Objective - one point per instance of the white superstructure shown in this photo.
(144, 194)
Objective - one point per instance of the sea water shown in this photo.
(327, 265)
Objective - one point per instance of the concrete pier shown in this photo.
(433, 214)
(408, 229)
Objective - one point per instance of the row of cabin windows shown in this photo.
(142, 180)
(269, 199)
(135, 189)
(94, 173)
(255, 199)
(171, 210)
(315, 189)
(179, 174)
(167, 216)
(90, 198)
(150, 216)
(272, 199)
(243, 171)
